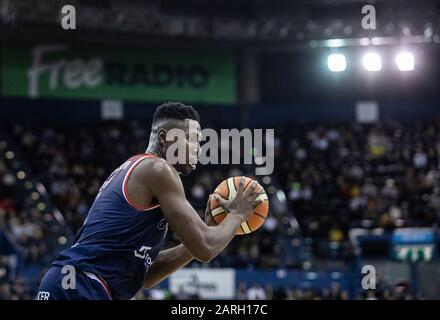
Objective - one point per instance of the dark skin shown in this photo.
(201, 240)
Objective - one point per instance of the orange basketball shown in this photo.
(228, 189)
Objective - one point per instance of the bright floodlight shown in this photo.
(336, 62)
(405, 61)
(372, 62)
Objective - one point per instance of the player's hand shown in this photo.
(209, 220)
(244, 202)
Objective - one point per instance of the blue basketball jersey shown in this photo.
(119, 239)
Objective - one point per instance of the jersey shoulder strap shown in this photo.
(137, 160)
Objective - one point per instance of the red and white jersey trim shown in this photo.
(124, 186)
(101, 281)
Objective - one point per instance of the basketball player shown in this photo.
(118, 249)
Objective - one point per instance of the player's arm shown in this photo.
(167, 262)
(170, 260)
(203, 242)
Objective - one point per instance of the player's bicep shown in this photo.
(181, 216)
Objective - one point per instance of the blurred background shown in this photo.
(357, 135)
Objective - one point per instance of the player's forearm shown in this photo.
(167, 262)
(221, 235)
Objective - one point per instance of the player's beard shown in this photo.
(185, 169)
(191, 162)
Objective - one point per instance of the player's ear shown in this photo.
(162, 137)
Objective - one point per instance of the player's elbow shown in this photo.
(204, 254)
(204, 257)
(203, 246)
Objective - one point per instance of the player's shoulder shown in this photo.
(156, 167)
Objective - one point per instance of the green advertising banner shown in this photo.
(64, 71)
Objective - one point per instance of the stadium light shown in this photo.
(336, 62)
(372, 62)
(405, 61)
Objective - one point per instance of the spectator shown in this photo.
(256, 292)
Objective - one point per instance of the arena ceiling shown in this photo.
(273, 24)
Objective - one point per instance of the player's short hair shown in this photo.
(175, 110)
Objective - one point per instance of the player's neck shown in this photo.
(154, 149)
